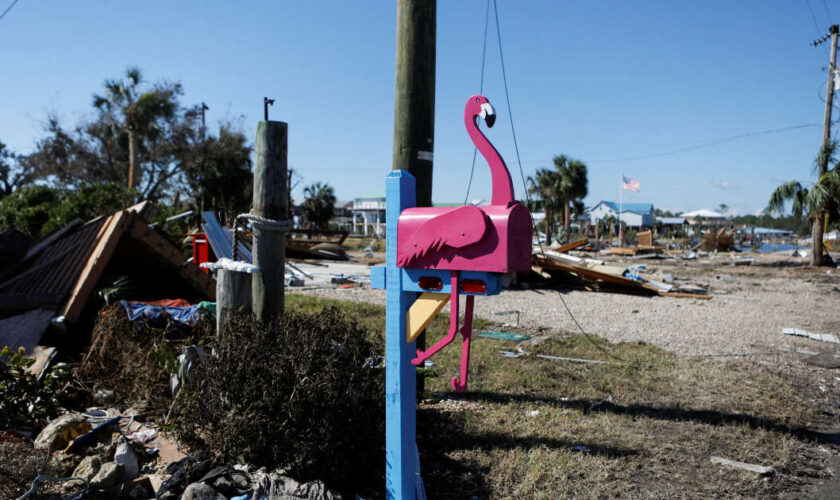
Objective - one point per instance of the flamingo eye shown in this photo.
(476, 99)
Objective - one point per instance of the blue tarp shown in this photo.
(140, 313)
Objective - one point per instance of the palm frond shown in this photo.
(789, 191)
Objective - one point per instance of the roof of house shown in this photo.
(62, 273)
(639, 208)
(671, 220)
(703, 212)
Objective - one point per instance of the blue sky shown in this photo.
(594, 80)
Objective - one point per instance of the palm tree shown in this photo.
(319, 204)
(573, 186)
(820, 200)
(544, 186)
(140, 111)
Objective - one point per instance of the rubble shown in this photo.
(61, 431)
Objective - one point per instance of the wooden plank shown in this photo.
(758, 469)
(400, 374)
(571, 246)
(686, 295)
(422, 312)
(106, 241)
(622, 251)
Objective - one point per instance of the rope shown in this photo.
(525, 186)
(480, 91)
(47, 477)
(261, 223)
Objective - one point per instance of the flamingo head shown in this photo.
(479, 106)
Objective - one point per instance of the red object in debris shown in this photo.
(201, 252)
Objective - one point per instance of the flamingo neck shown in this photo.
(502, 184)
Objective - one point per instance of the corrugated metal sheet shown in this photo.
(54, 270)
(221, 239)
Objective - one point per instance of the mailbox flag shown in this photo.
(629, 184)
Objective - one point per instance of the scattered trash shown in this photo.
(578, 360)
(513, 337)
(825, 359)
(580, 448)
(822, 337)
(758, 469)
(533, 413)
(61, 432)
(518, 354)
(125, 456)
(504, 313)
(726, 278)
(103, 396)
(143, 436)
(428, 363)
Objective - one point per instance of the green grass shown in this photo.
(648, 427)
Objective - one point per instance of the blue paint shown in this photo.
(401, 469)
(411, 278)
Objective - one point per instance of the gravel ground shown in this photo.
(749, 307)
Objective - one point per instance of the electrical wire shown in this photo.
(480, 91)
(525, 185)
(816, 24)
(8, 9)
(707, 144)
(828, 14)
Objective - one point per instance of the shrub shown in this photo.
(300, 393)
(25, 401)
(135, 365)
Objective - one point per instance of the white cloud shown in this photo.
(724, 185)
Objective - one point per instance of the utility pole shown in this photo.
(414, 102)
(203, 108)
(819, 218)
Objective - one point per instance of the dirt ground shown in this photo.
(700, 378)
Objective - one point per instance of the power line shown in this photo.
(525, 185)
(8, 9)
(816, 24)
(705, 145)
(480, 91)
(828, 14)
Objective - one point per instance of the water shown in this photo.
(772, 247)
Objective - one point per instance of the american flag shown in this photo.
(629, 184)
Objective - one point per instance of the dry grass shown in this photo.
(648, 427)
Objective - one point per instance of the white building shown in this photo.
(638, 215)
(369, 215)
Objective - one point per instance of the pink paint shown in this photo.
(456, 238)
(494, 239)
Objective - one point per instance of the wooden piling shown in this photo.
(270, 201)
(233, 293)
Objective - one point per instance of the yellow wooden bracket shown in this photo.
(422, 312)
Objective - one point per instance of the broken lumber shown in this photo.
(571, 246)
(758, 469)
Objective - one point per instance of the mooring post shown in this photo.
(401, 464)
(233, 293)
(270, 201)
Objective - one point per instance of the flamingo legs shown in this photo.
(466, 333)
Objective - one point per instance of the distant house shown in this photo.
(368, 213)
(638, 215)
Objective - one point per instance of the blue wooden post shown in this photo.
(401, 465)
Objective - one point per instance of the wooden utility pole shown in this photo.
(270, 202)
(233, 293)
(414, 102)
(819, 218)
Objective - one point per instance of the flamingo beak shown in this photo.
(488, 114)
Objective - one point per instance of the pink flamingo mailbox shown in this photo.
(441, 253)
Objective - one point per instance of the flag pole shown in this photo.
(620, 207)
